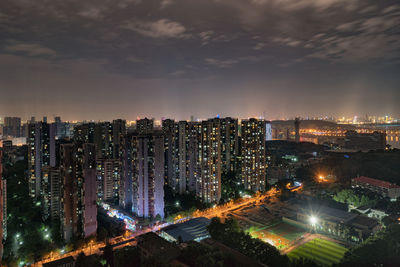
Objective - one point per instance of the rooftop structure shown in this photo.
(383, 188)
(192, 230)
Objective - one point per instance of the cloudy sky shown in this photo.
(106, 59)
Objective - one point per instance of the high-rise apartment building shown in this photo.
(183, 160)
(194, 145)
(128, 186)
(181, 154)
(41, 153)
(209, 180)
(144, 126)
(108, 179)
(84, 132)
(119, 130)
(78, 204)
(103, 138)
(50, 191)
(170, 132)
(253, 154)
(230, 144)
(106, 136)
(150, 178)
(55, 193)
(2, 198)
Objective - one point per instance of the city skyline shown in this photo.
(173, 59)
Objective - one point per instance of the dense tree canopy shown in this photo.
(382, 249)
(230, 234)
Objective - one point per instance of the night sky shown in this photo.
(108, 59)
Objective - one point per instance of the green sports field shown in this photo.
(280, 234)
(321, 251)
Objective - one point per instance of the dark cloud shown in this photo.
(282, 57)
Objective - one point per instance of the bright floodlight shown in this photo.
(313, 220)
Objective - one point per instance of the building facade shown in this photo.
(209, 180)
(41, 154)
(78, 204)
(108, 179)
(128, 186)
(383, 188)
(144, 126)
(150, 178)
(2, 197)
(230, 144)
(253, 154)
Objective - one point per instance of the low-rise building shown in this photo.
(192, 230)
(334, 222)
(383, 188)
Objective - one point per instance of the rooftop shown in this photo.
(326, 212)
(189, 230)
(375, 182)
(364, 222)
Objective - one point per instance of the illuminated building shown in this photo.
(170, 129)
(41, 153)
(229, 144)
(209, 181)
(150, 178)
(105, 135)
(103, 138)
(51, 192)
(2, 206)
(78, 205)
(194, 134)
(183, 143)
(84, 133)
(181, 154)
(144, 126)
(119, 129)
(108, 179)
(128, 187)
(253, 154)
(55, 193)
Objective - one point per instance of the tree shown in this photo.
(229, 234)
(379, 250)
